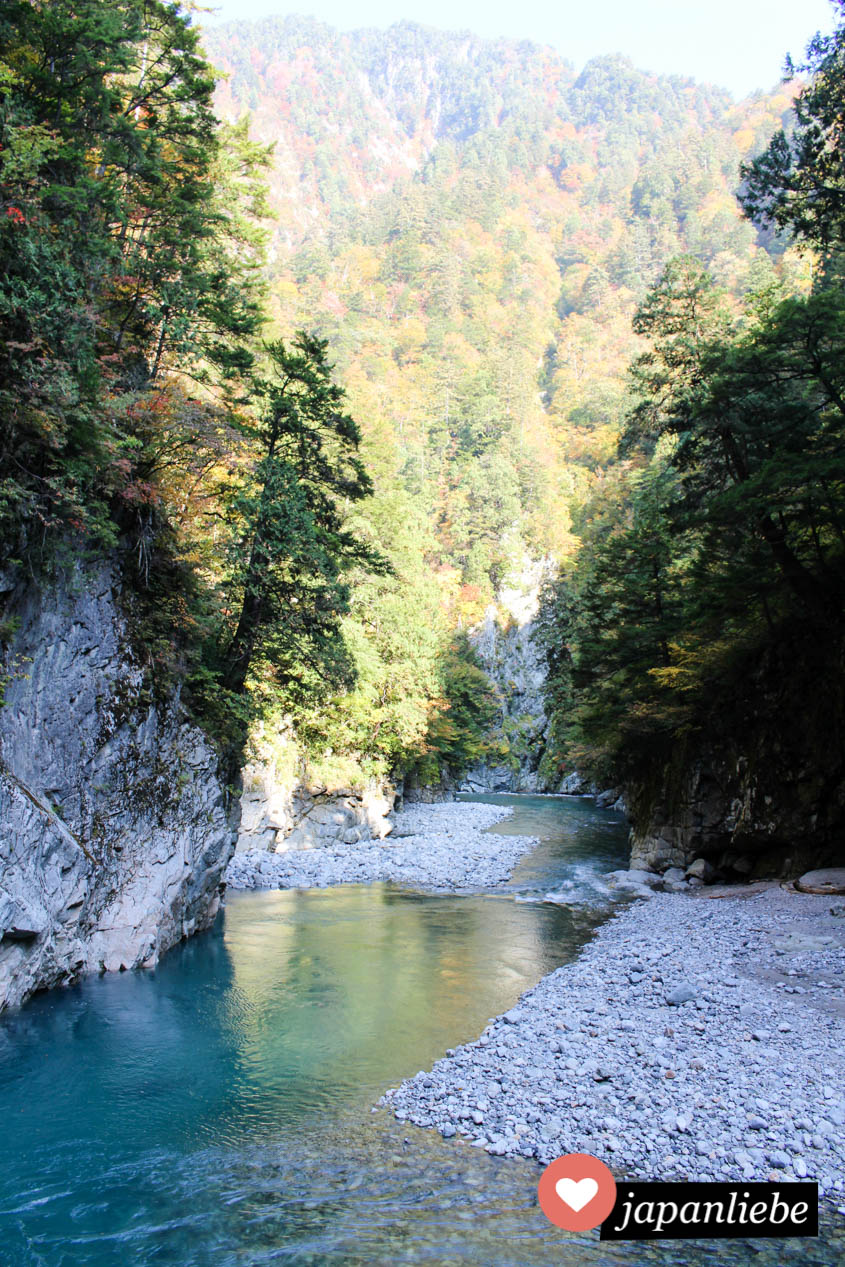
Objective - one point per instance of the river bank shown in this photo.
(442, 846)
(237, 1081)
(695, 1037)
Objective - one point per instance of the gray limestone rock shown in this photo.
(683, 993)
(115, 825)
(278, 816)
(573, 785)
(830, 880)
(509, 654)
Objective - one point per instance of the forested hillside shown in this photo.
(471, 226)
(697, 642)
(464, 230)
(144, 420)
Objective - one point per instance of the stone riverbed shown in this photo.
(699, 1035)
(696, 1037)
(442, 847)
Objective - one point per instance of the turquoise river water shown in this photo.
(219, 1110)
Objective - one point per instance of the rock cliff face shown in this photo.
(759, 789)
(748, 810)
(115, 826)
(277, 817)
(505, 645)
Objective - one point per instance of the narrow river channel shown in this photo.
(219, 1109)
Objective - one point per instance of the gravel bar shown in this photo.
(442, 847)
(696, 1037)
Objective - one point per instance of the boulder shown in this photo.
(829, 881)
(672, 875)
(683, 993)
(636, 881)
(648, 878)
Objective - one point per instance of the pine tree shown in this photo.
(798, 183)
(291, 549)
(127, 243)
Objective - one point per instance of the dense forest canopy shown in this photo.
(140, 411)
(462, 232)
(471, 226)
(147, 414)
(707, 602)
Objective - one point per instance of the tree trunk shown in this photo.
(242, 647)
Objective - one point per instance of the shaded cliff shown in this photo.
(760, 789)
(506, 646)
(115, 825)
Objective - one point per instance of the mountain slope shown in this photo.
(471, 225)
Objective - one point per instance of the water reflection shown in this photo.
(354, 986)
(217, 1110)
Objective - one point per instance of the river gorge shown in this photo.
(422, 634)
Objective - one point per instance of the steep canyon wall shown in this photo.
(115, 825)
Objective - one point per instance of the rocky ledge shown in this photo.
(444, 847)
(696, 1037)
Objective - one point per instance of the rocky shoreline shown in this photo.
(698, 1036)
(443, 847)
